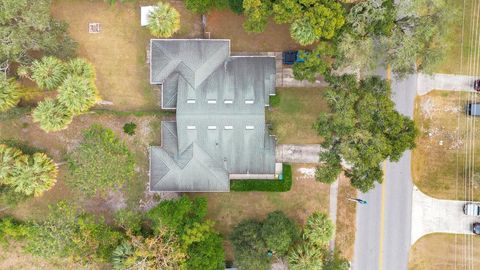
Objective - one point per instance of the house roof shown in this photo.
(220, 125)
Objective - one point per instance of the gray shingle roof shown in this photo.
(220, 128)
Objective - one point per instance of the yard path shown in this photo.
(438, 81)
(333, 208)
(298, 153)
(432, 215)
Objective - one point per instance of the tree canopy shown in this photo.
(30, 175)
(100, 163)
(363, 128)
(248, 245)
(319, 229)
(164, 20)
(279, 232)
(26, 26)
(48, 72)
(51, 115)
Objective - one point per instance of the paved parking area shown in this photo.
(430, 215)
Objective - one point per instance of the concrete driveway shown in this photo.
(298, 153)
(438, 81)
(430, 215)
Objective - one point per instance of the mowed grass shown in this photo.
(305, 197)
(445, 252)
(292, 119)
(119, 51)
(439, 165)
(462, 57)
(57, 144)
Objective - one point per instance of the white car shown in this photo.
(471, 209)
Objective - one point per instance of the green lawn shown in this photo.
(293, 117)
(453, 64)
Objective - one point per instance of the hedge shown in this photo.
(265, 185)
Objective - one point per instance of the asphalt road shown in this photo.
(384, 224)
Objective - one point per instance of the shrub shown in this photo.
(77, 94)
(128, 220)
(129, 128)
(206, 254)
(274, 101)
(265, 185)
(52, 116)
(319, 229)
(279, 232)
(305, 257)
(164, 20)
(101, 162)
(236, 6)
(248, 246)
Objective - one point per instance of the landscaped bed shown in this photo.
(438, 161)
(275, 185)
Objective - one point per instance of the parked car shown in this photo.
(476, 85)
(473, 109)
(476, 228)
(292, 57)
(471, 209)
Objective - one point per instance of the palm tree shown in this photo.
(9, 93)
(48, 73)
(77, 94)
(8, 156)
(33, 175)
(51, 115)
(305, 257)
(81, 67)
(302, 32)
(164, 20)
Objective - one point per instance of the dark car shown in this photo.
(476, 228)
(292, 57)
(476, 85)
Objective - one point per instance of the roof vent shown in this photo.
(228, 127)
(191, 101)
(249, 127)
(248, 101)
(191, 127)
(212, 101)
(212, 127)
(228, 101)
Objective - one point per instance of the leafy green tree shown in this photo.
(9, 93)
(329, 172)
(305, 256)
(310, 20)
(28, 26)
(249, 248)
(279, 232)
(66, 232)
(256, 13)
(207, 253)
(51, 115)
(77, 94)
(81, 67)
(179, 214)
(8, 158)
(363, 128)
(204, 6)
(318, 229)
(33, 175)
(100, 163)
(314, 64)
(164, 20)
(48, 73)
(160, 251)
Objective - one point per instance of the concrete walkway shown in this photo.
(298, 153)
(333, 208)
(438, 81)
(430, 215)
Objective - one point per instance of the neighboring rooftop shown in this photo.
(220, 125)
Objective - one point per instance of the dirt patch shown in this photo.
(440, 162)
(228, 25)
(57, 144)
(346, 212)
(229, 209)
(119, 51)
(445, 251)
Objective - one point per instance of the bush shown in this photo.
(129, 128)
(274, 101)
(248, 246)
(319, 229)
(279, 232)
(51, 115)
(9, 93)
(207, 254)
(164, 21)
(265, 185)
(128, 220)
(236, 6)
(100, 163)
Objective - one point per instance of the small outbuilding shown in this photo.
(144, 13)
